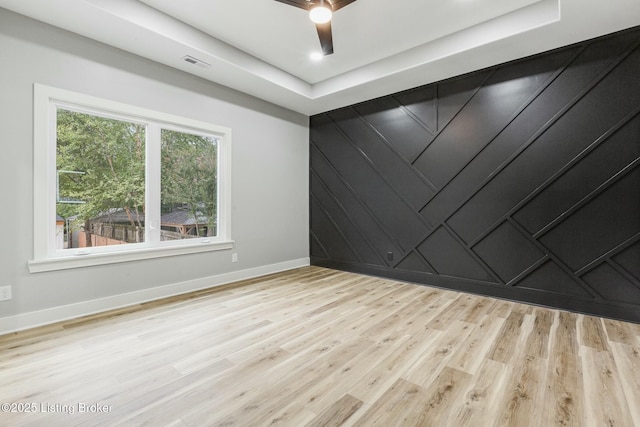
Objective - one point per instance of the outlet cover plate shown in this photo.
(5, 293)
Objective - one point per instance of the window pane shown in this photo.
(189, 185)
(100, 165)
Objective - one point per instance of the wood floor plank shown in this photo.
(342, 380)
(593, 333)
(505, 343)
(381, 375)
(564, 396)
(396, 407)
(627, 359)
(471, 354)
(522, 395)
(278, 394)
(477, 407)
(457, 310)
(537, 344)
(394, 320)
(315, 346)
(443, 397)
(622, 332)
(433, 361)
(338, 413)
(479, 309)
(608, 405)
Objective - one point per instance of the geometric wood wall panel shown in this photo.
(508, 252)
(414, 262)
(521, 181)
(612, 285)
(333, 241)
(483, 116)
(551, 278)
(628, 260)
(397, 171)
(406, 135)
(600, 165)
(363, 221)
(392, 209)
(340, 223)
(600, 226)
(448, 257)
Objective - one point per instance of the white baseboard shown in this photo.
(71, 311)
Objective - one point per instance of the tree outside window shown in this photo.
(101, 181)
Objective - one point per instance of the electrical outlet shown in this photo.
(234, 257)
(5, 293)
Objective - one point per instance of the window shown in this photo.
(115, 183)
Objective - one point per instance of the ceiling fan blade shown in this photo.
(324, 30)
(326, 39)
(306, 5)
(339, 4)
(302, 4)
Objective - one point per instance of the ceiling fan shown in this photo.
(320, 12)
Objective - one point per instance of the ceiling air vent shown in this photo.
(196, 61)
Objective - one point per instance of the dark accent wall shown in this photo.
(519, 181)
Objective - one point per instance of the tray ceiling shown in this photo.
(263, 47)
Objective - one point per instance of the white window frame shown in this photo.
(45, 255)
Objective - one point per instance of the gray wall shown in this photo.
(519, 181)
(270, 166)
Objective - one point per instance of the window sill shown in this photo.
(89, 260)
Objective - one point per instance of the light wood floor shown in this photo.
(316, 347)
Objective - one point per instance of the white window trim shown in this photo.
(45, 257)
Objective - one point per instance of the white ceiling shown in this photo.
(262, 47)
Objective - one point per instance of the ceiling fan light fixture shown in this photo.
(320, 14)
